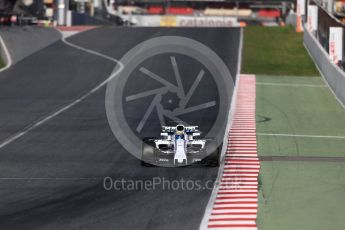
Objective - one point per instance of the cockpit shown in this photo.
(179, 135)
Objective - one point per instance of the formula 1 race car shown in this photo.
(178, 146)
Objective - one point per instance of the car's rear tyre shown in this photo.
(148, 150)
(213, 154)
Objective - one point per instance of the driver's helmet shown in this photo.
(179, 132)
(179, 129)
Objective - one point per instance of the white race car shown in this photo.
(179, 145)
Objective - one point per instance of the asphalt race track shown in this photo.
(52, 177)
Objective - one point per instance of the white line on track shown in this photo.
(291, 85)
(215, 217)
(236, 196)
(240, 174)
(254, 210)
(244, 179)
(232, 228)
(231, 205)
(241, 170)
(73, 103)
(7, 54)
(238, 199)
(241, 150)
(242, 166)
(243, 147)
(299, 135)
(241, 155)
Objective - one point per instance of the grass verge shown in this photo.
(276, 51)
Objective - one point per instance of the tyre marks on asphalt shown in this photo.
(235, 206)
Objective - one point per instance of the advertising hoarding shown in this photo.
(312, 18)
(336, 44)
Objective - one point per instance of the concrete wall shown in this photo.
(332, 74)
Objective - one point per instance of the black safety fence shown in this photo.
(318, 47)
(325, 21)
(85, 19)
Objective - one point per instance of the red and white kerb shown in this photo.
(236, 202)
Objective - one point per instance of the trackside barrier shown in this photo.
(332, 74)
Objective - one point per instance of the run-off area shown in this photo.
(301, 130)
